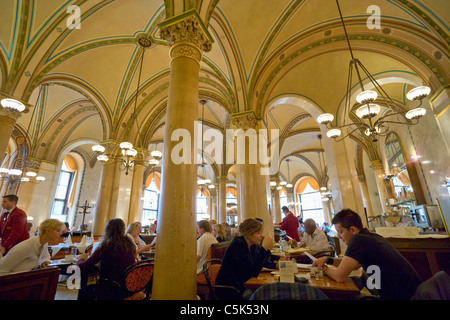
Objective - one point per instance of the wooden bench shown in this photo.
(37, 284)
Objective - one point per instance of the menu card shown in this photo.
(287, 271)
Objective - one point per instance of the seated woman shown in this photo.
(133, 231)
(33, 252)
(244, 257)
(219, 232)
(116, 253)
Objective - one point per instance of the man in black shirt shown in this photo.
(397, 278)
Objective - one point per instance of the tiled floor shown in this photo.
(63, 293)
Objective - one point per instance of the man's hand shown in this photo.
(45, 264)
(319, 262)
(2, 250)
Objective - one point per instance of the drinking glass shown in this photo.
(73, 252)
(318, 273)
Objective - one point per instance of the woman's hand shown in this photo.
(45, 264)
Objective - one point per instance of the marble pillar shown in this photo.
(277, 209)
(366, 195)
(253, 185)
(7, 121)
(175, 263)
(105, 190)
(346, 192)
(377, 167)
(222, 214)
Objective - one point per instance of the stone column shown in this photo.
(346, 192)
(253, 185)
(105, 190)
(377, 166)
(222, 191)
(136, 186)
(7, 121)
(276, 195)
(366, 195)
(175, 263)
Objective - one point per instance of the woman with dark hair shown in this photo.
(244, 257)
(115, 253)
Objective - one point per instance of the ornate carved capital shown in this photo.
(188, 29)
(142, 157)
(245, 121)
(376, 165)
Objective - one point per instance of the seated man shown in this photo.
(314, 238)
(204, 242)
(397, 278)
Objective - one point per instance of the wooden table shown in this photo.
(333, 289)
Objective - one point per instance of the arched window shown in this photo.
(63, 192)
(202, 204)
(311, 201)
(232, 218)
(150, 205)
(283, 198)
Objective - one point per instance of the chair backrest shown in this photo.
(288, 291)
(137, 277)
(218, 249)
(37, 284)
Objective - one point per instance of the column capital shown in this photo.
(221, 179)
(245, 120)
(186, 28)
(376, 165)
(361, 178)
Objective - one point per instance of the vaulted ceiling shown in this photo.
(286, 60)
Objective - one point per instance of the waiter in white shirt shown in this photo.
(314, 238)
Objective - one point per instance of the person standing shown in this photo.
(13, 224)
(290, 224)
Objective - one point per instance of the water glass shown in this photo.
(73, 252)
(318, 273)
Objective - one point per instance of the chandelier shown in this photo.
(131, 154)
(367, 109)
(21, 171)
(204, 182)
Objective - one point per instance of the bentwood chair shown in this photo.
(134, 285)
(211, 269)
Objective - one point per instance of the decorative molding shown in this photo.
(185, 49)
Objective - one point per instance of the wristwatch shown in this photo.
(330, 261)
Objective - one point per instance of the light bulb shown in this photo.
(368, 111)
(416, 113)
(12, 105)
(325, 118)
(418, 93)
(333, 133)
(366, 96)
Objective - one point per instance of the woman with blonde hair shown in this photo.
(244, 257)
(219, 232)
(133, 231)
(33, 252)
